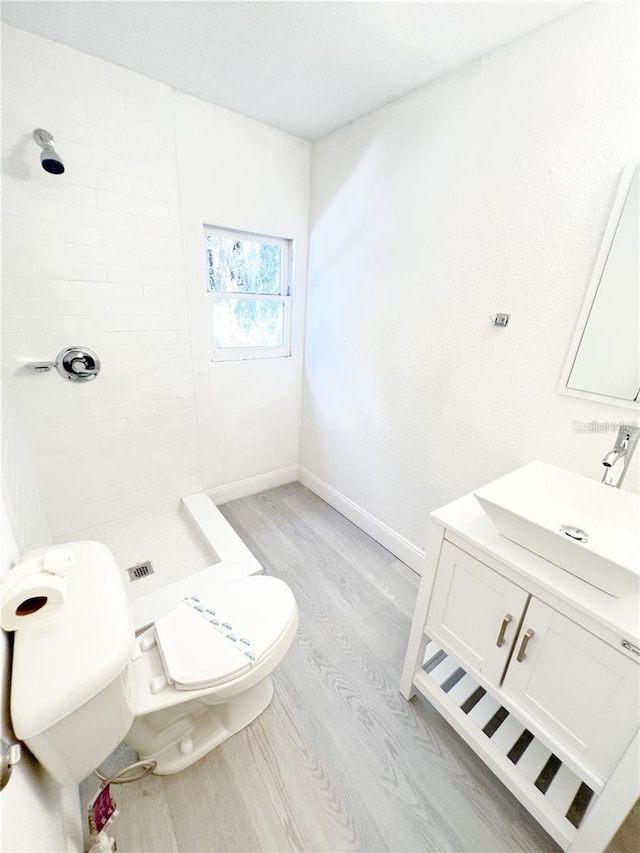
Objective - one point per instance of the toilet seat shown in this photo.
(218, 634)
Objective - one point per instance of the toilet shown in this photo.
(82, 681)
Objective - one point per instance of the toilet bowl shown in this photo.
(82, 681)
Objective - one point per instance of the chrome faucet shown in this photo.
(617, 460)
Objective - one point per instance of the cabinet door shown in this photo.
(475, 612)
(583, 691)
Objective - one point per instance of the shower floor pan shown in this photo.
(181, 545)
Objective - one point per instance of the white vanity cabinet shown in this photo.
(538, 671)
(475, 612)
(583, 691)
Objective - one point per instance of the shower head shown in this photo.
(51, 162)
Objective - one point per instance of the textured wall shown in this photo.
(486, 191)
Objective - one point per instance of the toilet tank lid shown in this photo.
(63, 661)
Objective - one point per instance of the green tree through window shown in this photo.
(247, 278)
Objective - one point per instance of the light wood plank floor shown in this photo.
(339, 761)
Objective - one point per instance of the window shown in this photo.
(249, 294)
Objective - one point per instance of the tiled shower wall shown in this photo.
(20, 494)
(95, 257)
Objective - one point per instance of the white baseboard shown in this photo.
(254, 485)
(395, 543)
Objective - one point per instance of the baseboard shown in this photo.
(395, 543)
(254, 485)
(382, 533)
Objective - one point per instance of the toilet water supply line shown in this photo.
(144, 767)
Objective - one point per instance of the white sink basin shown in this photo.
(530, 505)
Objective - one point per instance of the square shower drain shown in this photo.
(140, 570)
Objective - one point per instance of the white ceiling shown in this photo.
(305, 67)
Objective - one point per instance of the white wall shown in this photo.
(486, 191)
(36, 813)
(238, 173)
(95, 257)
(21, 495)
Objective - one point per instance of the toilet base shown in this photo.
(179, 736)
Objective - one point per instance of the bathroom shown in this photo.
(480, 185)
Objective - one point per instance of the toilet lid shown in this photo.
(216, 634)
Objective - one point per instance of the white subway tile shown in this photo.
(163, 292)
(113, 156)
(159, 260)
(17, 65)
(156, 189)
(168, 391)
(58, 440)
(146, 367)
(36, 268)
(111, 427)
(17, 247)
(24, 345)
(47, 53)
(143, 242)
(181, 416)
(32, 305)
(101, 255)
(43, 188)
(141, 275)
(50, 188)
(182, 437)
(113, 220)
(104, 105)
(19, 205)
(101, 179)
(178, 379)
(148, 307)
(122, 343)
(167, 322)
(133, 85)
(126, 410)
(22, 323)
(173, 405)
(110, 324)
(96, 531)
(55, 288)
(132, 204)
(35, 228)
(61, 102)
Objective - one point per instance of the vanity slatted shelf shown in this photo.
(536, 670)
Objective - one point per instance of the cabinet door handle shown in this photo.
(503, 630)
(523, 646)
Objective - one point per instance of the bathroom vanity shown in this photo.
(537, 670)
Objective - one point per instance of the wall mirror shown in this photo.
(604, 358)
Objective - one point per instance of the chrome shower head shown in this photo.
(51, 161)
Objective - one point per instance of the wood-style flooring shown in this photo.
(339, 761)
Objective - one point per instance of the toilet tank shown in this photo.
(69, 678)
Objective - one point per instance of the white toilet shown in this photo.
(82, 682)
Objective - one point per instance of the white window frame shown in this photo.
(284, 297)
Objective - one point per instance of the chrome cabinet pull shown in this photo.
(523, 646)
(503, 630)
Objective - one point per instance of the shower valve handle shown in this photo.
(77, 364)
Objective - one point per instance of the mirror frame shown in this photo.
(592, 289)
